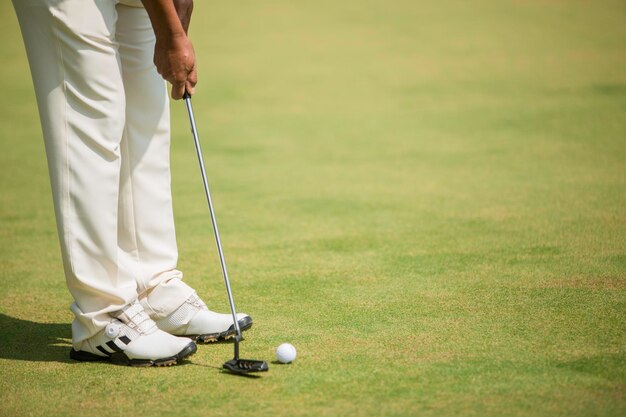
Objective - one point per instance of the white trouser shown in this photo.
(105, 118)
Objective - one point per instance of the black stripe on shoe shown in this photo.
(111, 344)
(124, 339)
(103, 350)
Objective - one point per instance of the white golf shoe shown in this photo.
(133, 338)
(193, 319)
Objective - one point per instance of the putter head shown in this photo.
(245, 366)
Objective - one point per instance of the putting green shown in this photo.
(426, 198)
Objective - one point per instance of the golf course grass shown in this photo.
(426, 198)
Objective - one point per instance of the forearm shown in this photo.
(184, 8)
(164, 18)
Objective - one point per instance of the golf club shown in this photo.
(236, 365)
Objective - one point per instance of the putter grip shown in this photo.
(186, 95)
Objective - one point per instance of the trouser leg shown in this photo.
(80, 94)
(146, 231)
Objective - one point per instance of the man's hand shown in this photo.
(175, 60)
(174, 57)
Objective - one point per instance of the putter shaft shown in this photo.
(194, 132)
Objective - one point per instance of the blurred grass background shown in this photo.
(426, 198)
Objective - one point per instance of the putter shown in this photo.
(236, 365)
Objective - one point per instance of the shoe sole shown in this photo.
(120, 358)
(244, 324)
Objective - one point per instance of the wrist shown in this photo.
(170, 33)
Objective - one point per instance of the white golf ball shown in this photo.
(286, 353)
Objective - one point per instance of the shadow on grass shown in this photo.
(26, 340)
(223, 371)
(248, 376)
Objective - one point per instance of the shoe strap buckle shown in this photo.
(112, 330)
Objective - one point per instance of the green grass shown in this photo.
(428, 199)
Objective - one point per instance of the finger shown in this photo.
(193, 76)
(191, 82)
(178, 89)
(189, 88)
